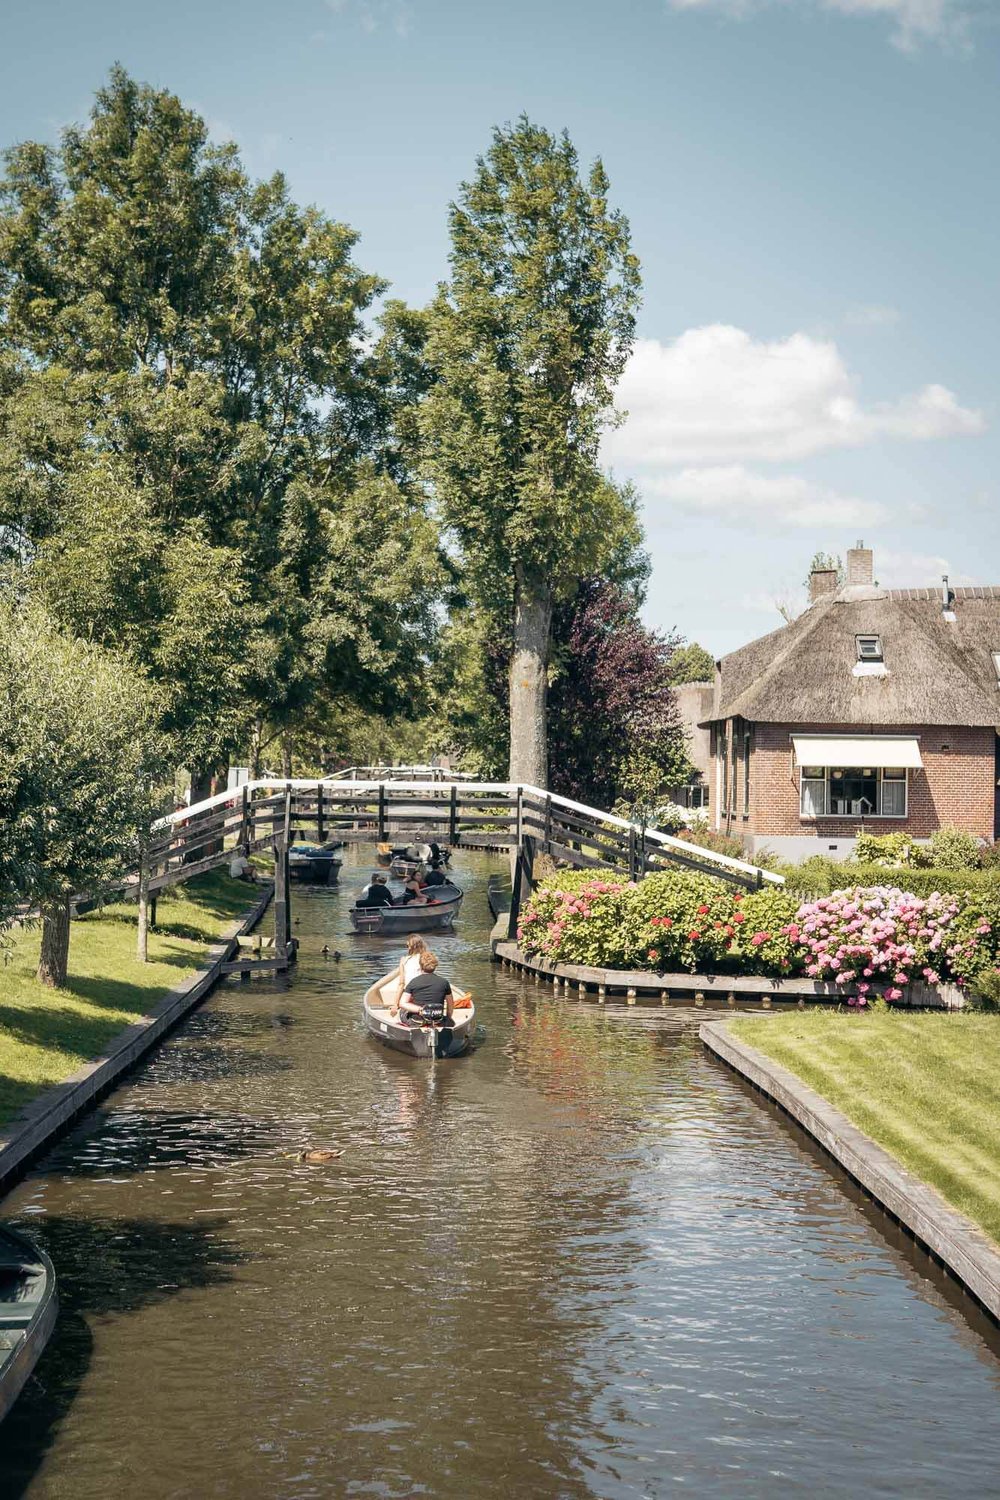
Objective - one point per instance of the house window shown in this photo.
(869, 647)
(996, 663)
(853, 792)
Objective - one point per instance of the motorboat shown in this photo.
(449, 1039)
(317, 863)
(436, 914)
(28, 1308)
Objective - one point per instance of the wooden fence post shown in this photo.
(245, 819)
(524, 871)
(381, 811)
(548, 823)
(453, 817)
(320, 824)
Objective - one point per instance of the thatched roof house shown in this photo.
(877, 708)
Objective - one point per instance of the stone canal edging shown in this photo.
(642, 986)
(955, 1241)
(53, 1111)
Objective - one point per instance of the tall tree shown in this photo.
(183, 367)
(525, 345)
(692, 663)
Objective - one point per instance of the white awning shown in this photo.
(857, 750)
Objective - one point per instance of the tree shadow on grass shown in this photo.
(103, 1267)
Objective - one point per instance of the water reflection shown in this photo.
(580, 1261)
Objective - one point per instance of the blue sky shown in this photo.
(812, 188)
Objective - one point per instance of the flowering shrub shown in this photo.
(871, 941)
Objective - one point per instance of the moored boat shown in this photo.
(28, 1307)
(319, 863)
(436, 915)
(446, 1040)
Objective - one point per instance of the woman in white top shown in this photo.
(409, 965)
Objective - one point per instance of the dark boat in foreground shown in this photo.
(436, 915)
(418, 1041)
(318, 863)
(28, 1307)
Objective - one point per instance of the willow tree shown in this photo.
(525, 344)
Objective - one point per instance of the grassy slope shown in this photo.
(926, 1087)
(45, 1035)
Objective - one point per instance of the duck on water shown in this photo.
(414, 1009)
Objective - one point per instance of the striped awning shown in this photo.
(857, 750)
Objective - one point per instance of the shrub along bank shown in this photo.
(874, 940)
(925, 1087)
(46, 1034)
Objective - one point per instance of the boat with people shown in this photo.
(28, 1308)
(436, 912)
(317, 863)
(449, 1037)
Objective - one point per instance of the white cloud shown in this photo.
(717, 395)
(914, 21)
(377, 15)
(917, 570)
(737, 493)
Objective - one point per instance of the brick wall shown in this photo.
(956, 786)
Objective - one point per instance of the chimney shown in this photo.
(822, 581)
(860, 565)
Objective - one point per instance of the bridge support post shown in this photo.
(320, 823)
(522, 883)
(381, 811)
(283, 948)
(453, 817)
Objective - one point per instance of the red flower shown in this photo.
(652, 954)
(718, 926)
(693, 936)
(703, 911)
(666, 921)
(739, 917)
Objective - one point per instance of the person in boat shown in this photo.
(413, 893)
(240, 867)
(377, 892)
(428, 996)
(409, 965)
(436, 876)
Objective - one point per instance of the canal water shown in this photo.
(580, 1261)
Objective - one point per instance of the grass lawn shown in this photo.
(45, 1035)
(926, 1087)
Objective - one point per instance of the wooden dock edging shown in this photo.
(955, 1242)
(49, 1115)
(644, 987)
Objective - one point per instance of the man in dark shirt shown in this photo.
(377, 894)
(428, 995)
(435, 877)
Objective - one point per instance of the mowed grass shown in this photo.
(45, 1035)
(926, 1087)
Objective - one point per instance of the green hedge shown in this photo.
(818, 877)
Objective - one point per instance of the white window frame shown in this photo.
(876, 653)
(893, 775)
(996, 663)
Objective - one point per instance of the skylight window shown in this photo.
(996, 663)
(869, 647)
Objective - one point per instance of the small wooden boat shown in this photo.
(28, 1307)
(418, 1041)
(318, 863)
(436, 915)
(402, 868)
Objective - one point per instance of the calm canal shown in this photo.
(580, 1261)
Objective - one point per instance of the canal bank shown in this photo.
(47, 1028)
(580, 1261)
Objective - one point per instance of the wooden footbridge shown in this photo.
(271, 815)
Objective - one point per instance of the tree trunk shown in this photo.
(201, 783)
(286, 756)
(255, 742)
(142, 929)
(53, 961)
(529, 682)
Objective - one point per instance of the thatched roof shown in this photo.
(937, 670)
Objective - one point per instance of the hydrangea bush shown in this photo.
(872, 941)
